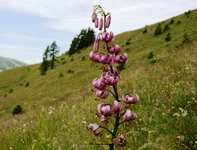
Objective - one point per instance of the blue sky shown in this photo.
(28, 26)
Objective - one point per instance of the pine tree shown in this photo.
(53, 52)
(45, 63)
(158, 29)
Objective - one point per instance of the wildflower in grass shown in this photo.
(109, 113)
(94, 128)
(129, 99)
(129, 115)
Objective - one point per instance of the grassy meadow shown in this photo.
(58, 106)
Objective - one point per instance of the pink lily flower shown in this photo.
(121, 59)
(129, 99)
(94, 128)
(98, 84)
(104, 109)
(116, 108)
(107, 37)
(115, 50)
(129, 115)
(102, 93)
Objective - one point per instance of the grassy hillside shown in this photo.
(8, 63)
(59, 106)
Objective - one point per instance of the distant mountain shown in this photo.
(9, 63)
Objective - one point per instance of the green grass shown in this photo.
(58, 109)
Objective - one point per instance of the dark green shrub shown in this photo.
(158, 30)
(27, 84)
(83, 58)
(166, 27)
(188, 12)
(168, 37)
(128, 43)
(185, 38)
(11, 90)
(172, 21)
(17, 110)
(61, 75)
(151, 55)
(70, 71)
(153, 61)
(145, 31)
(178, 22)
(5, 95)
(72, 59)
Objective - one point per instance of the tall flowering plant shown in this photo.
(119, 109)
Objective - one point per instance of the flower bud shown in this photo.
(96, 23)
(108, 21)
(101, 24)
(129, 115)
(96, 45)
(129, 99)
(94, 16)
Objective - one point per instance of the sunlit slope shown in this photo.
(166, 84)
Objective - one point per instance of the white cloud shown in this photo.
(73, 15)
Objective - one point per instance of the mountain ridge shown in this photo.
(9, 63)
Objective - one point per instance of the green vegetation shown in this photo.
(58, 109)
(49, 58)
(17, 110)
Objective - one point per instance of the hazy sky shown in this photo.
(28, 26)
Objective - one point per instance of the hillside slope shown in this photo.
(8, 63)
(59, 106)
